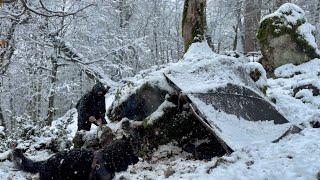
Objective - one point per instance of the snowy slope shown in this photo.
(294, 157)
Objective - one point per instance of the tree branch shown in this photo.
(50, 12)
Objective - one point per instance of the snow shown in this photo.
(291, 12)
(252, 66)
(5, 155)
(307, 30)
(160, 111)
(71, 127)
(238, 132)
(2, 130)
(7, 171)
(281, 90)
(199, 50)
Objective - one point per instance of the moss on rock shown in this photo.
(293, 42)
(194, 20)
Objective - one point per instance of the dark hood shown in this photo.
(99, 87)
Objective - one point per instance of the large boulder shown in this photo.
(286, 37)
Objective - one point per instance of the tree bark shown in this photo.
(193, 22)
(51, 98)
(2, 122)
(237, 27)
(317, 15)
(251, 21)
(5, 59)
(280, 2)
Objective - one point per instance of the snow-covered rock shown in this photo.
(286, 37)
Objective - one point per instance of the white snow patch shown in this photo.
(307, 30)
(72, 127)
(2, 130)
(289, 77)
(238, 132)
(199, 50)
(291, 12)
(5, 155)
(252, 66)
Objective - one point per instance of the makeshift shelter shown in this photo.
(207, 99)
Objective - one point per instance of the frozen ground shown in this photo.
(294, 157)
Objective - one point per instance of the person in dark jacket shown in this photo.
(81, 164)
(92, 108)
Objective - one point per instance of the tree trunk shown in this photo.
(193, 22)
(317, 15)
(53, 80)
(251, 21)
(5, 58)
(2, 123)
(280, 2)
(235, 40)
(237, 28)
(11, 105)
(38, 99)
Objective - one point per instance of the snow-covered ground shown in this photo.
(294, 157)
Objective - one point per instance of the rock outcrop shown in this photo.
(286, 37)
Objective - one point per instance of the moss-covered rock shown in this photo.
(286, 37)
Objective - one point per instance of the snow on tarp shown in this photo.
(221, 90)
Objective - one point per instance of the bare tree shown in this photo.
(193, 22)
(252, 17)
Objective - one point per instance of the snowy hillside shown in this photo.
(294, 157)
